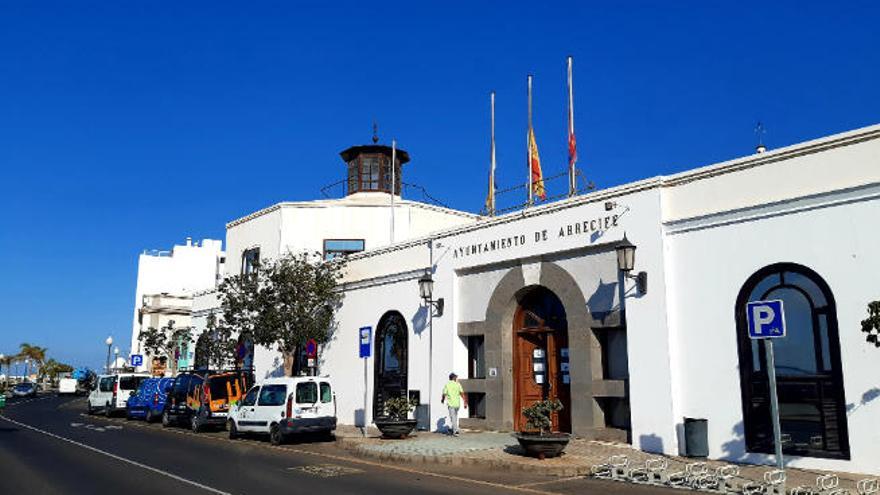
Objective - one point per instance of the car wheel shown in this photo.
(107, 411)
(166, 420)
(89, 409)
(196, 423)
(233, 431)
(275, 435)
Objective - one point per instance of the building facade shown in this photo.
(166, 283)
(536, 307)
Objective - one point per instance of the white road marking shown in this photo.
(118, 458)
(76, 425)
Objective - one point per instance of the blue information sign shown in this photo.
(766, 319)
(366, 336)
(137, 360)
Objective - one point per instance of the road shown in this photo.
(49, 445)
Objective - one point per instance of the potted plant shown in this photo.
(396, 422)
(539, 441)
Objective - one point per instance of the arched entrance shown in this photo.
(808, 367)
(390, 362)
(540, 355)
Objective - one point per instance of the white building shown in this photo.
(166, 282)
(535, 306)
(367, 217)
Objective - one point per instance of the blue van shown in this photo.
(148, 401)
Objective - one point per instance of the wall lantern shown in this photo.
(426, 291)
(626, 260)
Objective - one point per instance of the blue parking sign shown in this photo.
(366, 336)
(137, 359)
(766, 319)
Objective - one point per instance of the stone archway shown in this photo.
(497, 329)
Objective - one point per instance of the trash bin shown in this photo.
(696, 437)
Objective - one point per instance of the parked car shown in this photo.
(67, 386)
(202, 398)
(148, 401)
(112, 392)
(281, 407)
(25, 389)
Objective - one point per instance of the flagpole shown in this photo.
(531, 200)
(393, 183)
(490, 206)
(572, 178)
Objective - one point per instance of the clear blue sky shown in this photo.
(130, 125)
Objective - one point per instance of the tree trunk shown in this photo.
(289, 363)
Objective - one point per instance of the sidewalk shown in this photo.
(501, 451)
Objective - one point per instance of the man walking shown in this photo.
(453, 396)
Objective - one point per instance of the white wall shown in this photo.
(711, 259)
(185, 270)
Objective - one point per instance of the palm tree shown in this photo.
(33, 353)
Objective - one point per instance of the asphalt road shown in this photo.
(49, 445)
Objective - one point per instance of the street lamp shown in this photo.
(626, 260)
(426, 290)
(109, 343)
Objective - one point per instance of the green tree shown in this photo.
(32, 353)
(284, 303)
(216, 346)
(167, 341)
(871, 324)
(53, 368)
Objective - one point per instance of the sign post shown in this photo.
(311, 355)
(366, 337)
(767, 322)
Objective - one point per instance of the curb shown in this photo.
(356, 447)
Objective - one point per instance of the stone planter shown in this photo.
(395, 428)
(543, 446)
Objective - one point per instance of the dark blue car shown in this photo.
(148, 401)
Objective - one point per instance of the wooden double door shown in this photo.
(541, 357)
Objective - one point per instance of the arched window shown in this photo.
(808, 370)
(390, 361)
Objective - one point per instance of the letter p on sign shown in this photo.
(766, 319)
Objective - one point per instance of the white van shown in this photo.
(67, 386)
(285, 406)
(111, 392)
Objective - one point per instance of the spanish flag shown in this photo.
(537, 178)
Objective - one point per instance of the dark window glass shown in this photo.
(326, 393)
(250, 259)
(273, 395)
(130, 382)
(341, 247)
(107, 384)
(391, 347)
(796, 353)
(476, 356)
(222, 386)
(477, 405)
(306, 393)
(181, 384)
(251, 397)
